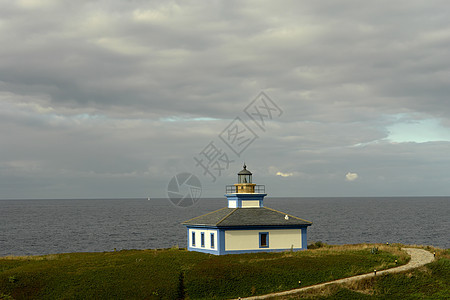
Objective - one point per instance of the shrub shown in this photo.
(316, 245)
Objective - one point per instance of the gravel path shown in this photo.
(419, 257)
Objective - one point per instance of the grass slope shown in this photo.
(178, 274)
(431, 281)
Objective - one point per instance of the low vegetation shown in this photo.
(179, 274)
(431, 281)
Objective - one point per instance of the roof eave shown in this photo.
(277, 226)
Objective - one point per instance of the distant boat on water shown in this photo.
(148, 198)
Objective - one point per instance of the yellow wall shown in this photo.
(245, 187)
(198, 233)
(249, 239)
(250, 203)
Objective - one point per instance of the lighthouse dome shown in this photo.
(244, 171)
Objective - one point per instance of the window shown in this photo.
(263, 240)
(193, 239)
(212, 240)
(202, 239)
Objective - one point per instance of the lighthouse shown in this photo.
(246, 225)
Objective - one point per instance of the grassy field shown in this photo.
(431, 281)
(178, 274)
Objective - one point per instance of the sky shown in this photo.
(114, 99)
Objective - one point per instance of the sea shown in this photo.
(48, 226)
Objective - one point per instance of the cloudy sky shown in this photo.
(114, 98)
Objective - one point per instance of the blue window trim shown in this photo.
(267, 240)
(202, 239)
(193, 238)
(212, 241)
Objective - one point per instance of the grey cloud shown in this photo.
(87, 87)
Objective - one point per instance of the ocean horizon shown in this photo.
(47, 226)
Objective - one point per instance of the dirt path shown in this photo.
(419, 257)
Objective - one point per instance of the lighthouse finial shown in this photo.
(245, 167)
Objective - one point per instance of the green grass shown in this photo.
(177, 274)
(126, 274)
(431, 281)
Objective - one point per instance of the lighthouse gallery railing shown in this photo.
(259, 189)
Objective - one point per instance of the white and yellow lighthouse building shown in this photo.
(245, 225)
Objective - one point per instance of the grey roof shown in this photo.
(244, 171)
(235, 217)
